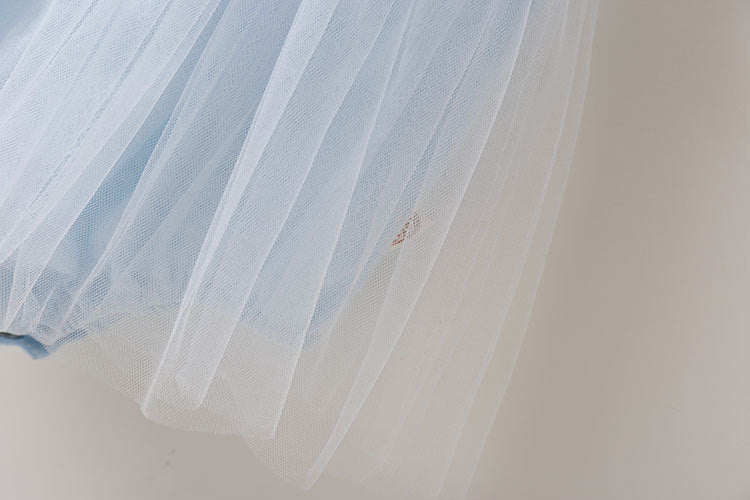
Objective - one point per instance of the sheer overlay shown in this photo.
(316, 224)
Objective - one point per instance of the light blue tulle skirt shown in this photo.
(315, 224)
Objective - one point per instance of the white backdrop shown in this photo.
(634, 380)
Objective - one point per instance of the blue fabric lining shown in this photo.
(32, 347)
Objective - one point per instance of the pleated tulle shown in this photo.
(315, 224)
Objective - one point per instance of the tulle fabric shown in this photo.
(316, 224)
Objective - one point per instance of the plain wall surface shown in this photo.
(634, 378)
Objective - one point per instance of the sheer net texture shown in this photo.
(316, 224)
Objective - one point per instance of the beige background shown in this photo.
(634, 380)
